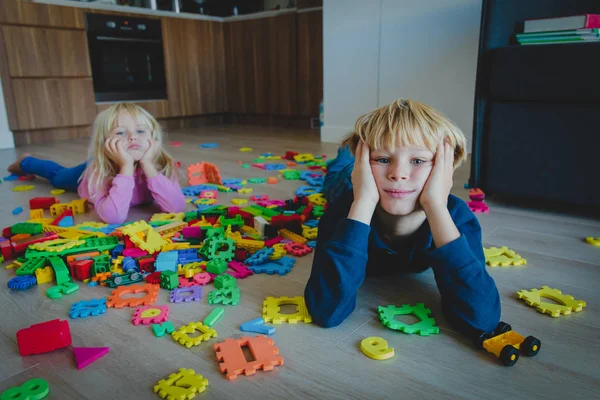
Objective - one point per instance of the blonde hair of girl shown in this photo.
(101, 170)
(407, 122)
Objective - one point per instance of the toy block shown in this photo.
(63, 215)
(21, 245)
(42, 203)
(185, 294)
(84, 356)
(203, 172)
(26, 227)
(82, 269)
(44, 275)
(101, 264)
(78, 206)
(214, 316)
(250, 245)
(101, 277)
(58, 208)
(17, 211)
(225, 281)
(66, 221)
(292, 236)
(22, 282)
(166, 261)
(116, 301)
(35, 388)
(169, 280)
(182, 337)
(478, 206)
(123, 278)
(87, 308)
(216, 266)
(257, 325)
(44, 337)
(150, 315)
(183, 385)
(233, 362)
(424, 327)
(566, 304)
(272, 308)
(160, 329)
(30, 266)
(168, 217)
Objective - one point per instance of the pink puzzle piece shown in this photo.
(238, 270)
(478, 206)
(84, 356)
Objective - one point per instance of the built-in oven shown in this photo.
(127, 58)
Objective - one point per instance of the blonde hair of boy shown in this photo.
(407, 122)
(101, 170)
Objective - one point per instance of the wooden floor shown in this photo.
(322, 363)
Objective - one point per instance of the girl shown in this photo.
(127, 166)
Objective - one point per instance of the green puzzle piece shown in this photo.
(227, 296)
(57, 291)
(160, 329)
(424, 327)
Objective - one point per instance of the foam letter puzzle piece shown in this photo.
(502, 256)
(376, 348)
(183, 385)
(567, 304)
(160, 329)
(233, 362)
(182, 334)
(257, 325)
(227, 296)
(115, 300)
(84, 309)
(281, 267)
(186, 294)
(424, 327)
(150, 315)
(84, 356)
(33, 389)
(593, 241)
(214, 316)
(272, 306)
(57, 291)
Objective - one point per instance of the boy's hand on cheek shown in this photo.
(363, 182)
(438, 185)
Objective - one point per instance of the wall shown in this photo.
(6, 136)
(377, 52)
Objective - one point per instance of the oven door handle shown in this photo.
(119, 39)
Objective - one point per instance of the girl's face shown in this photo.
(136, 137)
(400, 176)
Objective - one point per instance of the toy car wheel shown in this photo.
(135, 276)
(502, 327)
(509, 355)
(482, 338)
(118, 280)
(531, 346)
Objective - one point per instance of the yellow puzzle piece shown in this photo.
(593, 241)
(567, 304)
(168, 217)
(151, 241)
(56, 245)
(272, 306)
(502, 256)
(182, 385)
(182, 334)
(376, 348)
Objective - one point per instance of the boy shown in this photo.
(390, 210)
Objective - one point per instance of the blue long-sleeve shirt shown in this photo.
(348, 250)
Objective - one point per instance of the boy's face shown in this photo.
(400, 175)
(136, 137)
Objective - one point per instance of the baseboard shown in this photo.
(334, 134)
(7, 140)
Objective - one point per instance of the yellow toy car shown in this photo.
(507, 344)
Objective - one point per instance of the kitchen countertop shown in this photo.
(172, 14)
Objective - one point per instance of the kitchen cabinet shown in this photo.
(310, 62)
(25, 13)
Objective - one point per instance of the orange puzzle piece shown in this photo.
(203, 172)
(232, 359)
(115, 300)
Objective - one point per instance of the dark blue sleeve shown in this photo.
(338, 268)
(470, 298)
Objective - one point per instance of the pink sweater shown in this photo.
(113, 206)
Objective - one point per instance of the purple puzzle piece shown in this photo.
(186, 294)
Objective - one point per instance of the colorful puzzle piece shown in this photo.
(182, 385)
(160, 329)
(115, 300)
(84, 356)
(567, 304)
(182, 334)
(257, 325)
(376, 348)
(186, 294)
(150, 315)
(272, 308)
(233, 362)
(502, 256)
(84, 309)
(226, 296)
(424, 327)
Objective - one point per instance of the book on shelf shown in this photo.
(566, 36)
(585, 21)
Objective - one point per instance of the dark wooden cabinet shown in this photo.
(19, 12)
(195, 66)
(310, 62)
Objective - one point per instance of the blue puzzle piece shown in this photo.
(274, 167)
(11, 177)
(257, 325)
(308, 190)
(209, 145)
(266, 154)
(312, 223)
(232, 181)
(282, 266)
(318, 181)
(17, 211)
(22, 282)
(304, 175)
(187, 256)
(260, 256)
(202, 207)
(86, 308)
(195, 190)
(312, 243)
